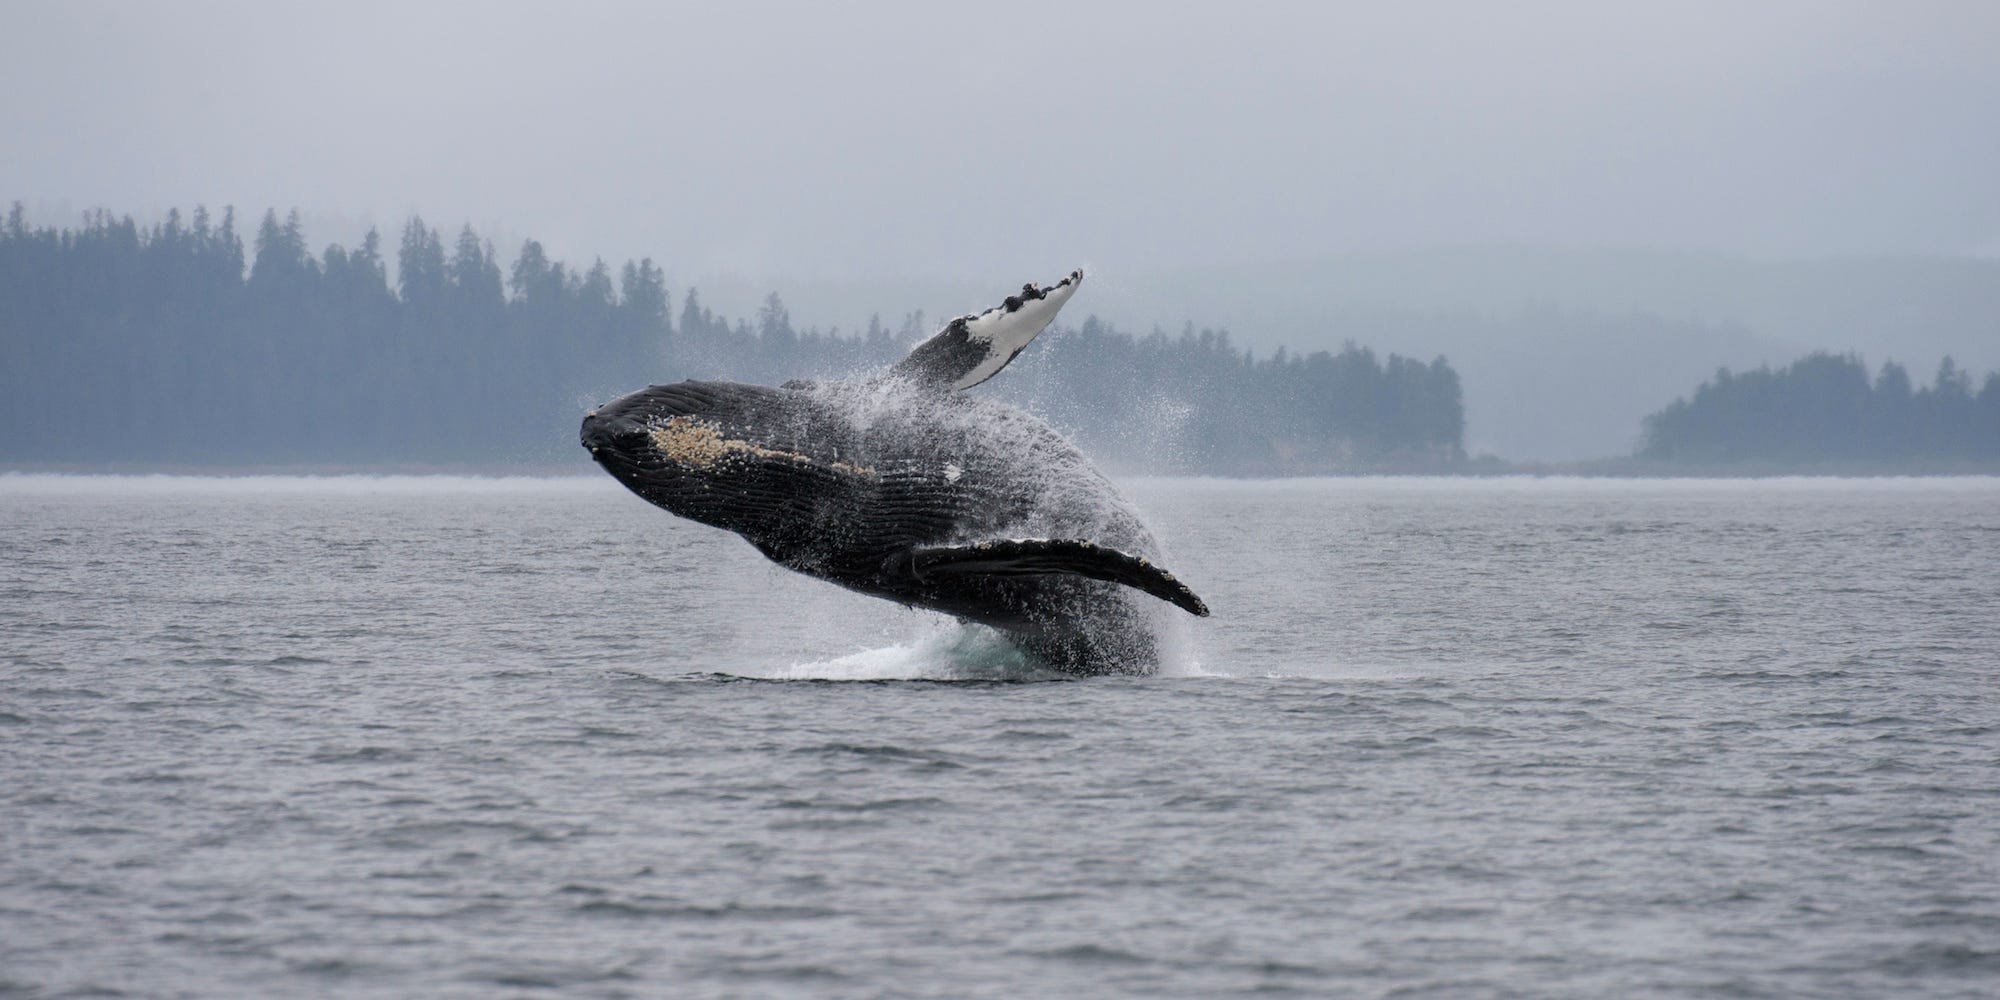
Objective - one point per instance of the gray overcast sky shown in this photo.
(833, 140)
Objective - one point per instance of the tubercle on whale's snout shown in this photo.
(696, 445)
(622, 423)
(596, 434)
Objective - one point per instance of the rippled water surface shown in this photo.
(446, 737)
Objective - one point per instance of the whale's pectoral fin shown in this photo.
(970, 349)
(1032, 556)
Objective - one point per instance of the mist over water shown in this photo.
(449, 737)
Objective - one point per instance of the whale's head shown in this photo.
(754, 460)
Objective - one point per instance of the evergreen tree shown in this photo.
(1822, 408)
(420, 265)
(183, 357)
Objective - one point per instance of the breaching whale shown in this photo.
(904, 487)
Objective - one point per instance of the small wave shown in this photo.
(1028, 736)
(824, 825)
(1939, 957)
(329, 968)
(875, 805)
(919, 759)
(1040, 897)
(654, 909)
(361, 755)
(784, 973)
(1093, 954)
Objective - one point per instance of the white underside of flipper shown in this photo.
(971, 349)
(1005, 333)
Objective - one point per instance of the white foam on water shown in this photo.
(948, 652)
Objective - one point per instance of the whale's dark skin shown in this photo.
(904, 488)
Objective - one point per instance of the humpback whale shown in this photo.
(904, 487)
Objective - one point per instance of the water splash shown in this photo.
(1180, 656)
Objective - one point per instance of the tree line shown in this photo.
(176, 344)
(1824, 408)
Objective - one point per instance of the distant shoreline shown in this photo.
(1637, 468)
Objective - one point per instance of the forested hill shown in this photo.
(175, 346)
(1823, 410)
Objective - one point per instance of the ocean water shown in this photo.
(458, 737)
